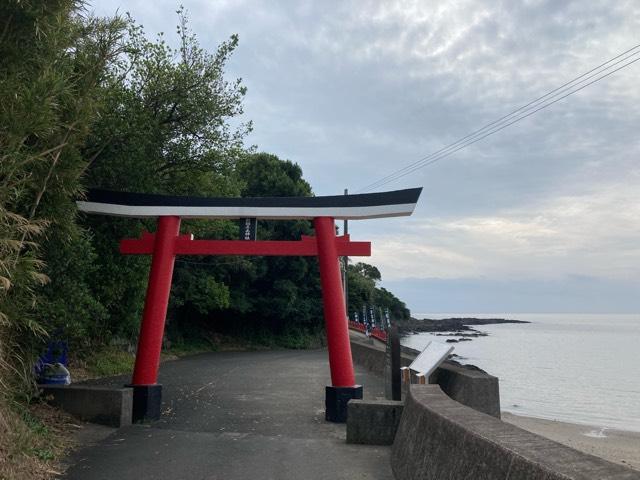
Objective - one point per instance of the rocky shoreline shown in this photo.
(461, 328)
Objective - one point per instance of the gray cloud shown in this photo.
(354, 90)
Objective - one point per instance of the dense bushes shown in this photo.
(53, 62)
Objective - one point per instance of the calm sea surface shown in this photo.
(577, 368)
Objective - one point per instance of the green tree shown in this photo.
(165, 129)
(268, 295)
(364, 290)
(271, 296)
(53, 60)
(285, 295)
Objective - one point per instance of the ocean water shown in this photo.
(578, 368)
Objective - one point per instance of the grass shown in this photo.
(32, 440)
(110, 361)
(292, 339)
(183, 348)
(114, 360)
(44, 449)
(247, 341)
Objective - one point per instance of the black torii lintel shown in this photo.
(352, 207)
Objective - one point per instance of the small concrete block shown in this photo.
(103, 405)
(373, 422)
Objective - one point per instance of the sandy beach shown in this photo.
(614, 445)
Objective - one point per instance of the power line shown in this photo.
(524, 108)
(471, 142)
(503, 120)
(507, 120)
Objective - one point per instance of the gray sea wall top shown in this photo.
(439, 438)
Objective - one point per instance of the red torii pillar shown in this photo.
(335, 315)
(343, 379)
(167, 243)
(145, 371)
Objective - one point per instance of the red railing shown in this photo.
(376, 333)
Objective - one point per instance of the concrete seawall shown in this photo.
(439, 438)
(472, 387)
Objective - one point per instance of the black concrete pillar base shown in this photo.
(336, 399)
(147, 400)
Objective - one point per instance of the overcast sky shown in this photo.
(543, 216)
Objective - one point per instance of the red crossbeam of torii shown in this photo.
(185, 244)
(167, 242)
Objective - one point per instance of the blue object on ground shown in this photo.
(54, 374)
(51, 367)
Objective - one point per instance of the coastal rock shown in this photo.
(450, 326)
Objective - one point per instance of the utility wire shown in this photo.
(471, 142)
(531, 105)
(528, 106)
(503, 120)
(515, 116)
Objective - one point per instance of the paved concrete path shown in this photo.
(238, 415)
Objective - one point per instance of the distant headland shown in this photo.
(459, 324)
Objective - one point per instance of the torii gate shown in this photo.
(167, 242)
